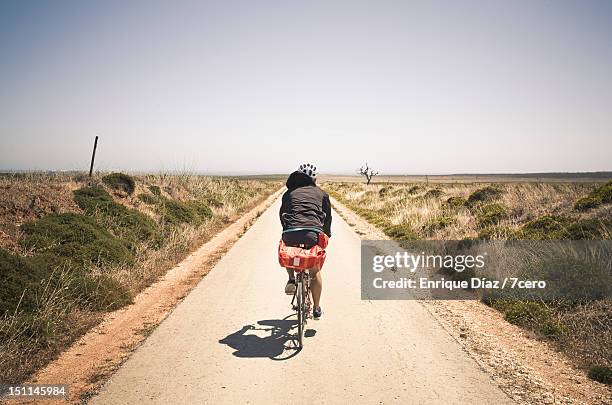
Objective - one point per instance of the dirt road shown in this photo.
(230, 341)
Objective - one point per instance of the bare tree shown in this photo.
(368, 172)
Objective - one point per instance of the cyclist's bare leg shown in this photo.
(316, 285)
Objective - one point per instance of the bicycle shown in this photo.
(301, 302)
(301, 259)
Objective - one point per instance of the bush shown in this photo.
(128, 224)
(415, 189)
(601, 195)
(531, 314)
(546, 227)
(384, 191)
(177, 212)
(521, 312)
(17, 276)
(551, 227)
(120, 182)
(76, 238)
(464, 275)
(155, 190)
(586, 203)
(604, 193)
(578, 278)
(602, 374)
(148, 199)
(438, 223)
(484, 194)
(590, 229)
(400, 232)
(552, 328)
(92, 198)
(202, 210)
(491, 214)
(433, 193)
(455, 202)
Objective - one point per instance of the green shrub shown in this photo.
(455, 202)
(128, 224)
(433, 193)
(27, 282)
(415, 189)
(569, 276)
(400, 232)
(17, 276)
(601, 195)
(602, 374)
(148, 199)
(76, 238)
(177, 212)
(590, 229)
(551, 227)
(484, 194)
(552, 328)
(491, 214)
(586, 203)
(438, 223)
(521, 312)
(121, 182)
(384, 191)
(202, 210)
(155, 190)
(92, 198)
(546, 227)
(532, 314)
(463, 275)
(604, 193)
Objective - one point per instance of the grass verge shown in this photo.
(529, 211)
(99, 245)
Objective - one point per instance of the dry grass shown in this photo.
(397, 204)
(456, 211)
(30, 337)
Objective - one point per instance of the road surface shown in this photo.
(231, 341)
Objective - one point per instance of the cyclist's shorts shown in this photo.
(297, 238)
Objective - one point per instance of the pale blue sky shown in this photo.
(257, 86)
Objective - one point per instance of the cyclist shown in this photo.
(305, 212)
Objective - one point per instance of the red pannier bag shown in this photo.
(302, 259)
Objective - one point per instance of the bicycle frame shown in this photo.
(301, 302)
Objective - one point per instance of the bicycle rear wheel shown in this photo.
(300, 310)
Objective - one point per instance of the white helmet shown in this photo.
(308, 169)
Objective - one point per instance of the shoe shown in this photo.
(317, 313)
(290, 287)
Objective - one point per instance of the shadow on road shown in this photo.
(271, 338)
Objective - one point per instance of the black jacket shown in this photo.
(305, 204)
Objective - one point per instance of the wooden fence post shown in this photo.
(93, 156)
